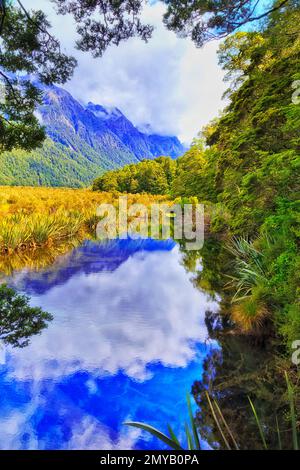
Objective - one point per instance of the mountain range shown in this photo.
(82, 142)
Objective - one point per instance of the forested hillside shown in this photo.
(82, 142)
(52, 165)
(247, 164)
(149, 176)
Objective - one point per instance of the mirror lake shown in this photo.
(127, 340)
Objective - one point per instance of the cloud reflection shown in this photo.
(126, 343)
(145, 311)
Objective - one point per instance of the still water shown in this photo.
(127, 341)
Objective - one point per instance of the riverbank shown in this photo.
(41, 217)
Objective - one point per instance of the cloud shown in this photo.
(91, 370)
(146, 311)
(18, 431)
(90, 434)
(167, 83)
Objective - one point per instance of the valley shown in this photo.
(82, 143)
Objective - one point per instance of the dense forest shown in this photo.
(246, 163)
(245, 167)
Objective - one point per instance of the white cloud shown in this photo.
(168, 83)
(111, 321)
(88, 433)
(145, 312)
(92, 435)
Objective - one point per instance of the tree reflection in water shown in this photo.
(243, 366)
(19, 321)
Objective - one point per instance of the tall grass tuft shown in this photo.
(250, 282)
(31, 217)
(249, 267)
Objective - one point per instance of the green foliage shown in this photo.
(189, 176)
(19, 321)
(54, 164)
(250, 170)
(205, 20)
(26, 48)
(51, 165)
(103, 23)
(194, 176)
(235, 56)
(256, 145)
(149, 176)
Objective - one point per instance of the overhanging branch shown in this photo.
(263, 15)
(2, 14)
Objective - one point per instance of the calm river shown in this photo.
(127, 341)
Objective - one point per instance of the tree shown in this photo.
(195, 173)
(19, 321)
(237, 56)
(204, 20)
(148, 176)
(101, 23)
(26, 48)
(151, 178)
(169, 166)
(104, 22)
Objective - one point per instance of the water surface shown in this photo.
(127, 341)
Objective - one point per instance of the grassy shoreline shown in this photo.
(33, 217)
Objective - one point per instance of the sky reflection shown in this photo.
(127, 341)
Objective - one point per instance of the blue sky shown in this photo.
(167, 83)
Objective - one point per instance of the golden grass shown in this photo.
(37, 217)
(249, 314)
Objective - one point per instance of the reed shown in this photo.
(191, 432)
(192, 436)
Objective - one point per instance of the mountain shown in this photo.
(143, 145)
(82, 142)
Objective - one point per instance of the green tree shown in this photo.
(237, 56)
(195, 173)
(256, 141)
(101, 23)
(151, 178)
(19, 321)
(26, 47)
(148, 176)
